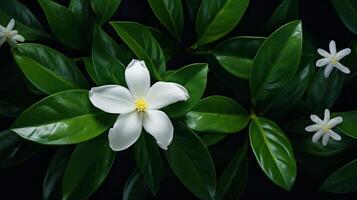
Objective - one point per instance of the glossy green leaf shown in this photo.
(135, 187)
(107, 68)
(343, 180)
(82, 9)
(49, 70)
(148, 159)
(276, 61)
(234, 178)
(217, 114)
(168, 45)
(351, 61)
(14, 149)
(143, 44)
(323, 92)
(52, 185)
(273, 152)
(194, 78)
(348, 126)
(104, 9)
(192, 7)
(87, 168)
(170, 14)
(236, 54)
(26, 22)
(211, 139)
(347, 10)
(287, 11)
(66, 117)
(214, 18)
(65, 25)
(88, 64)
(192, 163)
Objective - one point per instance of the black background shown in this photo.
(24, 181)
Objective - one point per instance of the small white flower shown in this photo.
(138, 107)
(332, 59)
(8, 34)
(323, 128)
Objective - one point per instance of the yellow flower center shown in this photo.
(141, 105)
(334, 61)
(326, 128)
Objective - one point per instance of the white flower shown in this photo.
(332, 59)
(9, 35)
(323, 128)
(138, 107)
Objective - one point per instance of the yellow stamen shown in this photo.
(334, 61)
(326, 129)
(141, 105)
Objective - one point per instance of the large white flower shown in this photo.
(8, 34)
(332, 60)
(323, 128)
(138, 107)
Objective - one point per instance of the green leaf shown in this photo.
(49, 70)
(14, 149)
(343, 180)
(323, 92)
(192, 163)
(87, 168)
(351, 61)
(348, 126)
(194, 78)
(26, 22)
(167, 43)
(234, 178)
(135, 187)
(214, 18)
(273, 152)
(276, 61)
(170, 14)
(347, 10)
(66, 117)
(148, 159)
(236, 54)
(104, 9)
(65, 25)
(88, 64)
(52, 185)
(192, 7)
(82, 9)
(217, 114)
(106, 66)
(211, 139)
(287, 11)
(143, 44)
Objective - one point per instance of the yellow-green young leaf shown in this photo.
(143, 44)
(104, 9)
(287, 11)
(214, 18)
(47, 69)
(273, 152)
(276, 61)
(194, 78)
(170, 14)
(347, 10)
(217, 114)
(87, 168)
(192, 163)
(236, 54)
(66, 117)
(135, 187)
(343, 180)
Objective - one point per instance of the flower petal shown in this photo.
(10, 25)
(137, 78)
(312, 128)
(334, 135)
(158, 124)
(328, 70)
(2, 29)
(322, 62)
(326, 116)
(342, 68)
(126, 131)
(316, 137)
(341, 54)
(162, 94)
(112, 99)
(323, 53)
(335, 121)
(18, 38)
(316, 119)
(332, 47)
(2, 41)
(325, 139)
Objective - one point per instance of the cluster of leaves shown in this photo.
(277, 73)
